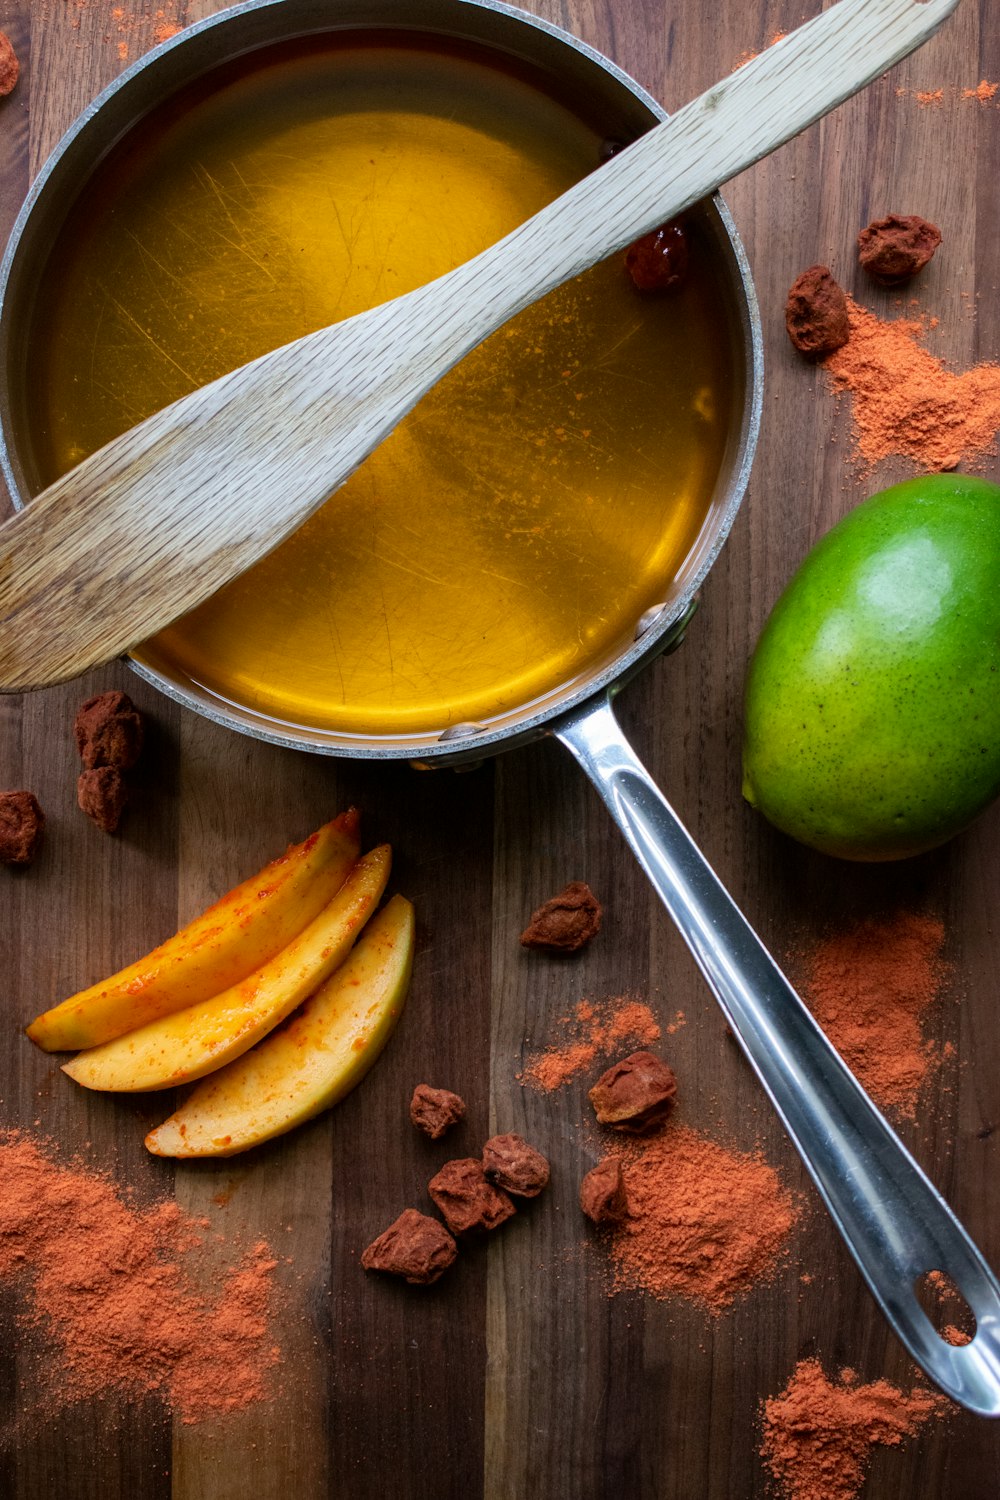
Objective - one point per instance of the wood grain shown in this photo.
(518, 1376)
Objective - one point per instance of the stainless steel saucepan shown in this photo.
(896, 1225)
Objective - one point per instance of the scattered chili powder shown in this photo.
(557, 1065)
(164, 29)
(947, 1308)
(596, 1028)
(818, 1433)
(628, 1019)
(703, 1222)
(746, 57)
(129, 26)
(905, 401)
(870, 988)
(110, 1289)
(983, 92)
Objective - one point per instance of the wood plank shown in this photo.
(407, 1365)
(546, 1280)
(241, 803)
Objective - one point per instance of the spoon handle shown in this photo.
(894, 1222)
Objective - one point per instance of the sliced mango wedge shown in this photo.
(245, 929)
(190, 1043)
(310, 1064)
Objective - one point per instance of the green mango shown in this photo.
(872, 725)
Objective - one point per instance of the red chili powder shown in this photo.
(109, 1289)
(983, 92)
(870, 988)
(947, 1309)
(704, 1222)
(749, 55)
(130, 27)
(905, 401)
(164, 29)
(818, 1433)
(595, 1029)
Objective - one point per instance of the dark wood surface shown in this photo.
(518, 1377)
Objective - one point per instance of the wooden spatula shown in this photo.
(155, 522)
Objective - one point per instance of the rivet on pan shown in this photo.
(648, 618)
(460, 732)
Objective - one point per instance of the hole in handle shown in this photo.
(941, 1300)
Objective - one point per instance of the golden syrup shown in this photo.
(517, 523)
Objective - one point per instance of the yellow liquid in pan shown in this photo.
(515, 526)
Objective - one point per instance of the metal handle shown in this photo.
(896, 1225)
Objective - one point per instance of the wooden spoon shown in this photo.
(162, 517)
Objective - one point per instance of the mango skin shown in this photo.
(872, 717)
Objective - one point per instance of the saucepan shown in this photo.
(896, 1225)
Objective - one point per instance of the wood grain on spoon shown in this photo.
(162, 517)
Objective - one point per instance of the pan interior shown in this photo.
(506, 538)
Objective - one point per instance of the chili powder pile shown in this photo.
(819, 1433)
(109, 1290)
(905, 401)
(704, 1222)
(870, 987)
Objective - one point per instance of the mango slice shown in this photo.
(233, 938)
(311, 1063)
(190, 1043)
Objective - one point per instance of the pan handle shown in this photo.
(896, 1225)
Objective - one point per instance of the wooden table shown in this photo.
(518, 1377)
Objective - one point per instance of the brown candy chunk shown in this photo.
(102, 795)
(515, 1166)
(435, 1110)
(566, 922)
(895, 248)
(21, 824)
(108, 731)
(816, 313)
(602, 1192)
(416, 1247)
(10, 68)
(465, 1199)
(635, 1094)
(659, 260)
